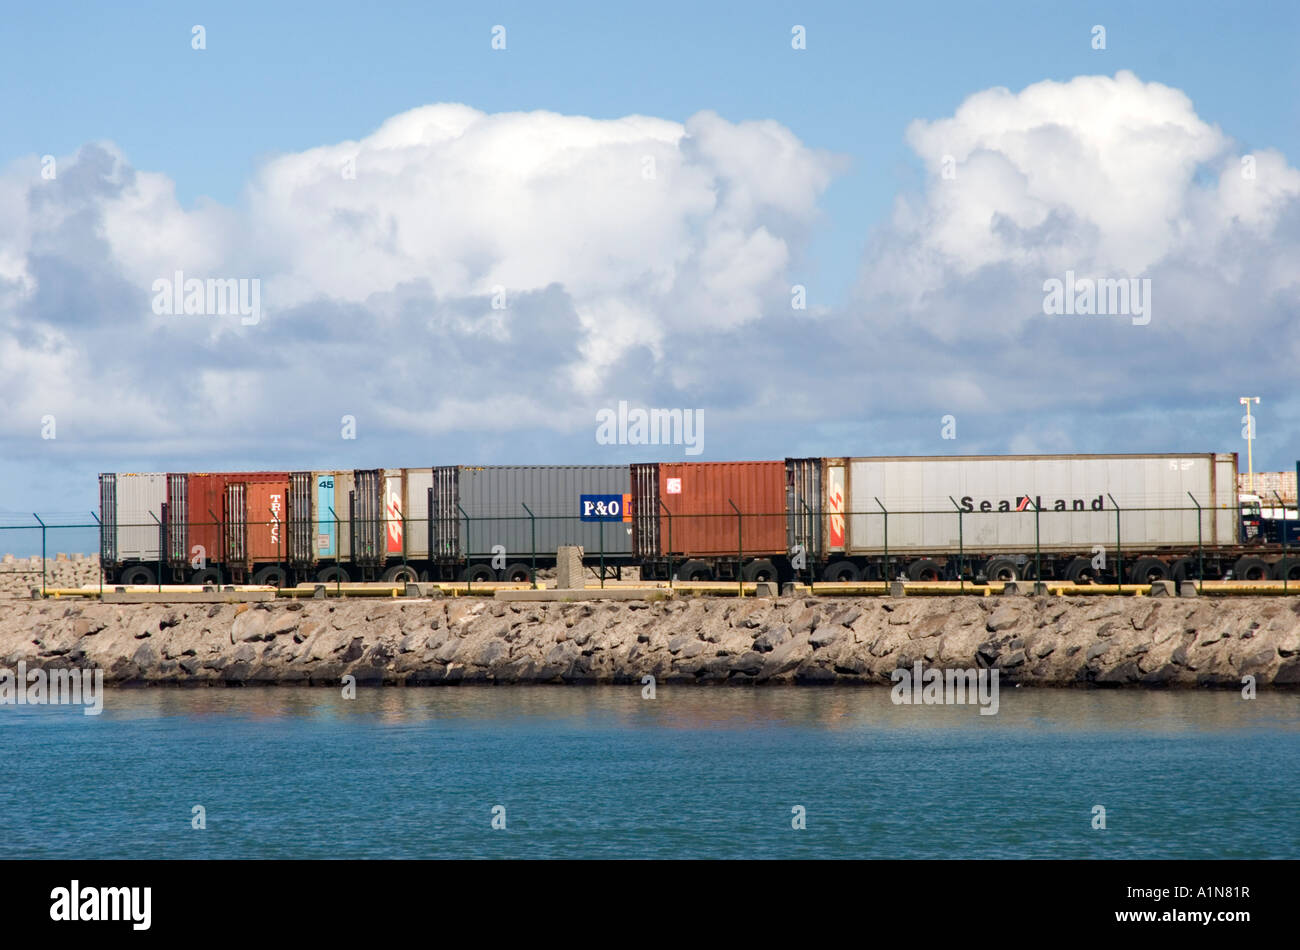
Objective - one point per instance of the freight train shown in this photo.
(1083, 518)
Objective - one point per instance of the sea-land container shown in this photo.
(131, 509)
(1076, 499)
(585, 505)
(699, 497)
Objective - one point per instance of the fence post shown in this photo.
(961, 546)
(278, 535)
(38, 518)
(1119, 548)
(221, 532)
(338, 553)
(740, 548)
(886, 511)
(808, 555)
(1038, 548)
(1286, 568)
(161, 545)
(101, 553)
(469, 574)
(670, 542)
(532, 521)
(1200, 554)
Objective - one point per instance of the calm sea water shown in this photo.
(696, 772)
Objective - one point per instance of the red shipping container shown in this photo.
(266, 513)
(705, 525)
(207, 501)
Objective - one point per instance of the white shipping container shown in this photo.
(418, 483)
(1077, 494)
(140, 499)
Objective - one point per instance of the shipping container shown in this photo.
(300, 525)
(1078, 497)
(699, 497)
(1266, 483)
(131, 511)
(266, 513)
(366, 511)
(587, 505)
(178, 514)
(418, 481)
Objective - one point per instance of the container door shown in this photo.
(803, 505)
(108, 518)
(178, 507)
(646, 539)
(367, 503)
(446, 513)
(234, 513)
(301, 530)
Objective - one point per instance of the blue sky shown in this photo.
(134, 115)
(279, 77)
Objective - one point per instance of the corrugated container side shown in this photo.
(206, 501)
(344, 491)
(1075, 492)
(494, 497)
(234, 524)
(140, 498)
(418, 483)
(698, 495)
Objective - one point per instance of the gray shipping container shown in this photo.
(1078, 495)
(497, 494)
(131, 530)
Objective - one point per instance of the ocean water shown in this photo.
(699, 772)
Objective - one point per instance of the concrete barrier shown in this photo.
(568, 568)
(765, 589)
(897, 589)
(594, 593)
(1162, 589)
(1187, 589)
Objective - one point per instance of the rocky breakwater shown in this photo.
(1048, 641)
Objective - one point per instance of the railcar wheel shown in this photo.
(270, 575)
(478, 574)
(760, 570)
(138, 576)
(1287, 569)
(401, 574)
(1250, 569)
(1148, 570)
(1081, 571)
(694, 571)
(518, 572)
(924, 570)
(1002, 569)
(841, 571)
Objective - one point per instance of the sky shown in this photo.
(469, 252)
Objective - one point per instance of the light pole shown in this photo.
(1250, 441)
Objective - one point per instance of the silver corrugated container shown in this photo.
(1075, 492)
(139, 500)
(494, 497)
